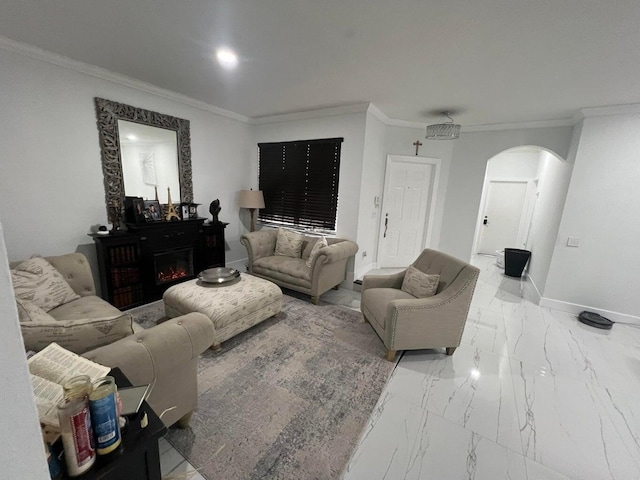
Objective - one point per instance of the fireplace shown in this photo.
(173, 265)
(138, 265)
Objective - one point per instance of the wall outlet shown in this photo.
(573, 242)
(364, 253)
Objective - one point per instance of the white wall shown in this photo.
(351, 127)
(554, 176)
(518, 163)
(466, 176)
(601, 209)
(371, 186)
(51, 187)
(22, 453)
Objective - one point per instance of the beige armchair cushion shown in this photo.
(419, 284)
(37, 281)
(78, 326)
(288, 243)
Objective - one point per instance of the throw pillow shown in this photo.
(30, 312)
(420, 284)
(321, 242)
(288, 243)
(37, 281)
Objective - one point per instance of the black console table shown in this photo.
(138, 456)
(137, 265)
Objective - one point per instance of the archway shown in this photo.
(521, 203)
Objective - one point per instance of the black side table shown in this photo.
(138, 456)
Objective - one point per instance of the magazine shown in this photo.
(50, 368)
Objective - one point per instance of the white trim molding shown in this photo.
(627, 109)
(98, 72)
(576, 309)
(47, 56)
(308, 114)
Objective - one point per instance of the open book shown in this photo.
(50, 368)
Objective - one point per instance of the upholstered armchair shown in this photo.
(404, 322)
(165, 355)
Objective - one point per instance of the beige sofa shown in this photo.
(327, 271)
(405, 322)
(166, 354)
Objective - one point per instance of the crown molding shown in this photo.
(379, 114)
(568, 122)
(38, 53)
(47, 56)
(308, 114)
(394, 122)
(626, 109)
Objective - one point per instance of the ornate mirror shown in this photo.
(142, 151)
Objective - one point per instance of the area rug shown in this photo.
(288, 399)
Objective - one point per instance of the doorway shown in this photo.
(408, 207)
(508, 200)
(503, 215)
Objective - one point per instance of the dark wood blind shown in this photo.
(299, 181)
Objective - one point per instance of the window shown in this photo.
(299, 181)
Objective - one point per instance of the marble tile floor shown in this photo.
(530, 394)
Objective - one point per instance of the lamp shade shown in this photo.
(251, 199)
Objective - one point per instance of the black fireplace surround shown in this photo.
(138, 265)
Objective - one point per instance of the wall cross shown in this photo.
(417, 144)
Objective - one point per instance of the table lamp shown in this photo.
(251, 199)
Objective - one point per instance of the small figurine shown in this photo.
(172, 212)
(214, 210)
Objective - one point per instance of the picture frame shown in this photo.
(134, 210)
(154, 211)
(138, 210)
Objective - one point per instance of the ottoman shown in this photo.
(231, 308)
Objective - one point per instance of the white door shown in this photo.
(406, 209)
(503, 212)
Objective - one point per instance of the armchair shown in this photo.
(166, 355)
(404, 322)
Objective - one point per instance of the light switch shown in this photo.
(573, 242)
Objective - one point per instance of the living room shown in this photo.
(51, 163)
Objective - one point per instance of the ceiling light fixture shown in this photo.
(227, 58)
(443, 131)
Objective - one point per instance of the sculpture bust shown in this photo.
(214, 210)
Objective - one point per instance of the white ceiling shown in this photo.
(495, 61)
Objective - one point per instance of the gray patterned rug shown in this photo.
(287, 399)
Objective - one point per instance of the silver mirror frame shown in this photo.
(108, 113)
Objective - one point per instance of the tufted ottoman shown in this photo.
(231, 308)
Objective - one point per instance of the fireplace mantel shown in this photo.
(137, 266)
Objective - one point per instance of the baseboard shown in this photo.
(363, 270)
(576, 309)
(532, 292)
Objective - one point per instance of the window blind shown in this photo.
(299, 181)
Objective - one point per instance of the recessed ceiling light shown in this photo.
(227, 58)
(132, 137)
